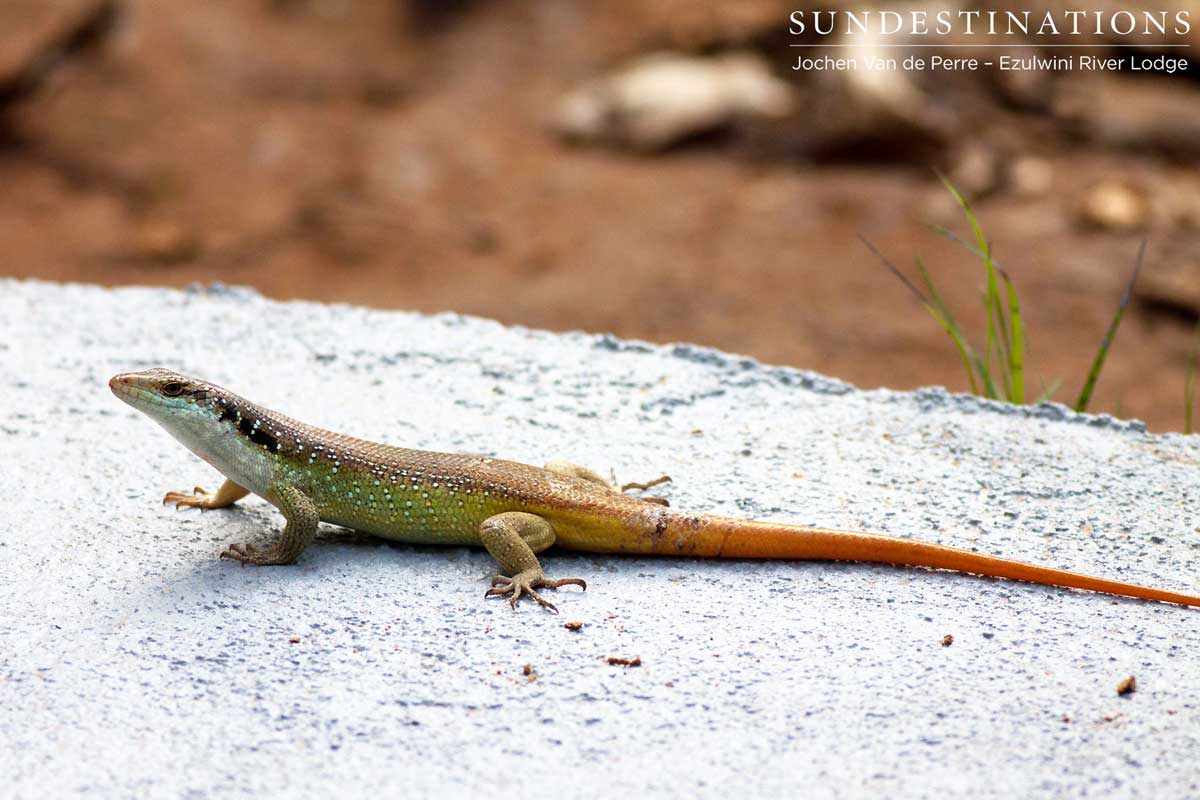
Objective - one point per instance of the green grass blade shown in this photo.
(966, 207)
(951, 326)
(989, 383)
(997, 318)
(941, 230)
(1048, 391)
(874, 250)
(985, 250)
(1085, 394)
(1016, 353)
(960, 344)
(935, 298)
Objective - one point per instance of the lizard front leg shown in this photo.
(301, 515)
(513, 538)
(227, 495)
(576, 471)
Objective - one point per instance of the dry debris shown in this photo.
(662, 98)
(1115, 205)
(614, 661)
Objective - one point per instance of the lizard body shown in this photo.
(514, 510)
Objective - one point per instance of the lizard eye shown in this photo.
(172, 389)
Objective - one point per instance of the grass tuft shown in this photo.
(999, 371)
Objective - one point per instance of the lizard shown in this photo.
(515, 511)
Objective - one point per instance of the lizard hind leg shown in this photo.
(513, 538)
(576, 471)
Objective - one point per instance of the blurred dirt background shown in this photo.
(419, 155)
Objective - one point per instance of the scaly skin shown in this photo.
(514, 510)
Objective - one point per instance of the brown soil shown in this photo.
(361, 151)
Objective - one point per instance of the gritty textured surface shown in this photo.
(133, 662)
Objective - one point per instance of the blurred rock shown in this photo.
(936, 206)
(1144, 113)
(1115, 205)
(894, 93)
(975, 170)
(663, 98)
(1163, 200)
(895, 113)
(1174, 283)
(1030, 176)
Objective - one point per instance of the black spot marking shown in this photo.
(227, 411)
(660, 528)
(246, 426)
(687, 540)
(260, 436)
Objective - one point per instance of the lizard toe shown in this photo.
(249, 554)
(245, 553)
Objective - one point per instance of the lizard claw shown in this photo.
(525, 583)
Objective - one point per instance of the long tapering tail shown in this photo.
(720, 537)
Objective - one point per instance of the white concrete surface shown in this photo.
(133, 663)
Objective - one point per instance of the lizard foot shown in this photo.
(249, 554)
(641, 487)
(197, 499)
(525, 583)
(647, 485)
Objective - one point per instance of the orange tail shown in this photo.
(718, 537)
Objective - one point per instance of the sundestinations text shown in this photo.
(1007, 23)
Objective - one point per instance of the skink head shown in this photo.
(231, 433)
(175, 400)
(156, 389)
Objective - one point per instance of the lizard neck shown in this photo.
(242, 440)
